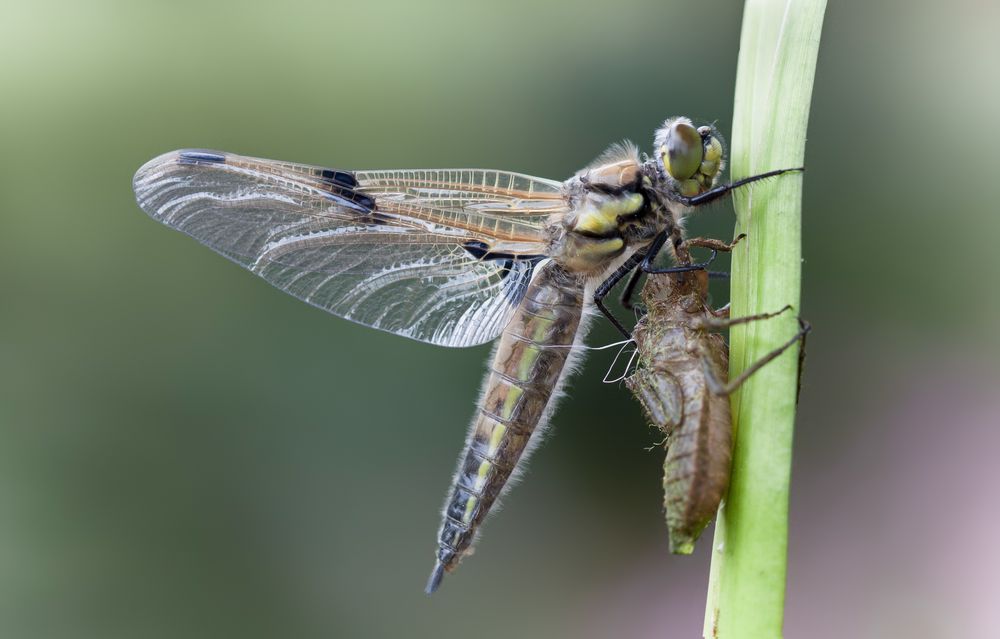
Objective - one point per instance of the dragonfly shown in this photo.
(681, 383)
(457, 258)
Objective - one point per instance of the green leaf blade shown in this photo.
(778, 49)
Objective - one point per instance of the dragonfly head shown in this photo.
(691, 158)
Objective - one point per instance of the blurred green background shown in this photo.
(185, 451)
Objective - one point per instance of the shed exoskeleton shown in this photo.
(681, 383)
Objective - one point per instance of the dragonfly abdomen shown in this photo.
(524, 377)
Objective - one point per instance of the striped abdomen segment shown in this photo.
(525, 373)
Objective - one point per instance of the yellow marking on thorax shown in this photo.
(623, 205)
(603, 219)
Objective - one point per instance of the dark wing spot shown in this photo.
(477, 249)
(366, 201)
(343, 178)
(351, 199)
(481, 251)
(515, 270)
(201, 157)
(341, 188)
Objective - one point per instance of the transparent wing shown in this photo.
(441, 256)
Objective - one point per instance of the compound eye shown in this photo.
(682, 150)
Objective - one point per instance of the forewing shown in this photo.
(401, 251)
(475, 192)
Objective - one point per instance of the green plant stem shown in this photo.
(777, 61)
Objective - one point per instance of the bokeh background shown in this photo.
(187, 452)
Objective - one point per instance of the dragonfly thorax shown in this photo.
(602, 227)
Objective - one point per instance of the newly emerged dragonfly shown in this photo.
(453, 257)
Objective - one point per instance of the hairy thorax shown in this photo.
(615, 211)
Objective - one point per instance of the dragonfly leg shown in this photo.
(709, 243)
(626, 298)
(608, 284)
(726, 322)
(722, 312)
(654, 249)
(683, 268)
(700, 242)
(726, 189)
(804, 327)
(719, 388)
(714, 244)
